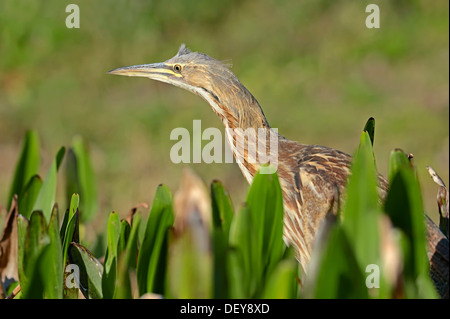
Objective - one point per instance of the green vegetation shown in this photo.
(315, 68)
(318, 73)
(238, 255)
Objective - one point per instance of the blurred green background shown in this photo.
(315, 68)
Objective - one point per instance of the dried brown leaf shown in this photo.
(8, 250)
(151, 296)
(133, 211)
(442, 201)
(391, 255)
(192, 205)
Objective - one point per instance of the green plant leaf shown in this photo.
(220, 255)
(338, 274)
(405, 208)
(270, 211)
(127, 262)
(71, 227)
(22, 231)
(238, 281)
(27, 165)
(91, 271)
(223, 213)
(125, 230)
(113, 235)
(80, 175)
(63, 228)
(151, 268)
(132, 247)
(36, 242)
(239, 258)
(29, 195)
(46, 197)
(35, 284)
(189, 273)
(52, 262)
(110, 268)
(71, 178)
(397, 160)
(222, 209)
(370, 129)
(362, 211)
(282, 282)
(264, 230)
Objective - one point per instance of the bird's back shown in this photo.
(313, 179)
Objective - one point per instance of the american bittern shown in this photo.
(312, 177)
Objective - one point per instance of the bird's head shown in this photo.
(193, 71)
(208, 78)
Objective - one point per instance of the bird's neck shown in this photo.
(247, 131)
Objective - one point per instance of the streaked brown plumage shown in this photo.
(312, 177)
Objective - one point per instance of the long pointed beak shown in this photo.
(156, 71)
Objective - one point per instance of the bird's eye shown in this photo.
(177, 67)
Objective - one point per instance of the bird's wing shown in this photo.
(317, 186)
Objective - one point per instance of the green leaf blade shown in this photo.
(222, 207)
(282, 282)
(151, 268)
(52, 266)
(91, 271)
(29, 195)
(36, 243)
(27, 164)
(362, 209)
(370, 129)
(111, 259)
(404, 206)
(127, 262)
(338, 275)
(71, 227)
(84, 179)
(46, 197)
